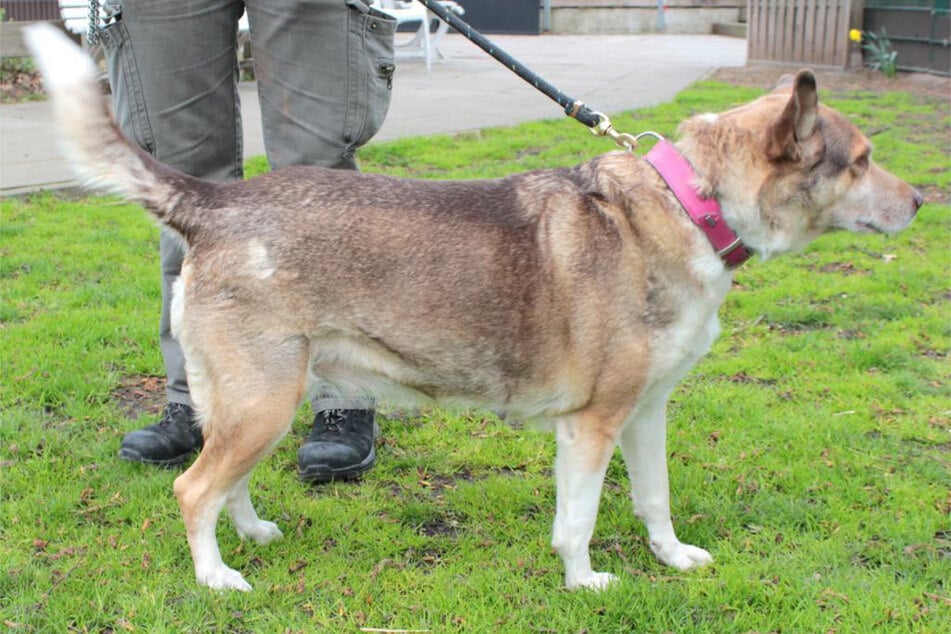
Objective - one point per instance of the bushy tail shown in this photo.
(98, 153)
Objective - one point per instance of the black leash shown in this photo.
(597, 122)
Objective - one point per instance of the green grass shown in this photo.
(809, 450)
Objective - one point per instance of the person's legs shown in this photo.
(173, 72)
(324, 70)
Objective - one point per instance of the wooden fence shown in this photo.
(919, 30)
(814, 32)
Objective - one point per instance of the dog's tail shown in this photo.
(99, 154)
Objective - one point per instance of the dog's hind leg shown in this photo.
(644, 446)
(586, 442)
(248, 403)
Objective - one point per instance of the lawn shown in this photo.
(809, 450)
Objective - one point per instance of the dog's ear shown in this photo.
(798, 120)
(784, 82)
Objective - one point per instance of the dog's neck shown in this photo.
(705, 212)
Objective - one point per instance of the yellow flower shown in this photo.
(855, 35)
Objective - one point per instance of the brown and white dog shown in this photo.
(576, 296)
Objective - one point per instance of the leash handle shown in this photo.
(572, 107)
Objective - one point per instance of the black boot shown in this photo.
(167, 443)
(340, 446)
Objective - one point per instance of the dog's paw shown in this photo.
(223, 578)
(594, 581)
(262, 531)
(681, 556)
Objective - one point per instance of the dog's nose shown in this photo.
(919, 200)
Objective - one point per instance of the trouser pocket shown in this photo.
(128, 98)
(371, 68)
(173, 66)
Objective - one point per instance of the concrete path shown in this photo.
(468, 91)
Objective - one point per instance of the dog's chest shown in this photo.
(676, 347)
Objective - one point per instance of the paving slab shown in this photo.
(467, 91)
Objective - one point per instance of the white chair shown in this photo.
(424, 43)
(244, 42)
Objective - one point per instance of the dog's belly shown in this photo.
(354, 365)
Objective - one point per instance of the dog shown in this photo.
(574, 296)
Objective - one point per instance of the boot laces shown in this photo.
(169, 414)
(332, 418)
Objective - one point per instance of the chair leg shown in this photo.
(427, 43)
(441, 30)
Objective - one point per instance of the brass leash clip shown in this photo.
(604, 128)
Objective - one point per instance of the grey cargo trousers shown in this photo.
(323, 70)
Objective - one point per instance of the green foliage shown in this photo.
(809, 450)
(12, 66)
(879, 52)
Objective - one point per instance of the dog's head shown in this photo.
(786, 169)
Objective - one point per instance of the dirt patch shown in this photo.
(760, 75)
(20, 85)
(840, 268)
(140, 395)
(440, 527)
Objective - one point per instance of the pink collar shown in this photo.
(705, 212)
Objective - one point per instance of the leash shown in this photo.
(597, 122)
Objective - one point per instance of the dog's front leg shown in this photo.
(245, 518)
(585, 445)
(201, 504)
(644, 445)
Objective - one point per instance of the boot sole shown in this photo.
(170, 463)
(322, 473)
